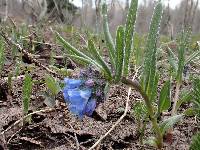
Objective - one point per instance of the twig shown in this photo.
(36, 62)
(37, 42)
(13, 78)
(119, 120)
(21, 120)
(48, 56)
(75, 136)
(14, 135)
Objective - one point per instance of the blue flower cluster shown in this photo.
(78, 94)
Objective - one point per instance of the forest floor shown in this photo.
(57, 128)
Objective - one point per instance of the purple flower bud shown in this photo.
(89, 83)
(98, 93)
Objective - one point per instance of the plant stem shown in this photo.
(137, 87)
(177, 91)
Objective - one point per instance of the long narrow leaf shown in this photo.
(150, 51)
(87, 61)
(183, 45)
(70, 48)
(76, 53)
(108, 37)
(154, 88)
(171, 53)
(173, 60)
(129, 31)
(192, 56)
(98, 58)
(186, 97)
(164, 100)
(1, 54)
(26, 93)
(169, 123)
(119, 52)
(52, 85)
(195, 142)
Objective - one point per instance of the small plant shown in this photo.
(179, 65)
(1, 54)
(26, 93)
(196, 96)
(141, 115)
(53, 88)
(118, 70)
(195, 99)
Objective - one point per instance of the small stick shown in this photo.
(75, 136)
(36, 62)
(21, 120)
(14, 135)
(37, 42)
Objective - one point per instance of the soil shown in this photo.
(58, 129)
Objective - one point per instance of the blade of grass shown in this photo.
(108, 37)
(129, 32)
(150, 51)
(98, 58)
(27, 90)
(119, 53)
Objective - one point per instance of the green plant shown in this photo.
(195, 99)
(53, 88)
(141, 115)
(195, 142)
(117, 72)
(26, 93)
(179, 64)
(1, 54)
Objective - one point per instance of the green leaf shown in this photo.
(26, 93)
(164, 100)
(119, 53)
(70, 48)
(196, 91)
(152, 141)
(129, 32)
(84, 60)
(173, 60)
(154, 88)
(192, 57)
(183, 45)
(149, 70)
(138, 49)
(185, 97)
(49, 99)
(1, 54)
(76, 53)
(189, 112)
(52, 85)
(107, 90)
(108, 37)
(99, 59)
(195, 145)
(169, 123)
(140, 110)
(196, 96)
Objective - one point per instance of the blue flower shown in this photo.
(90, 107)
(79, 97)
(72, 83)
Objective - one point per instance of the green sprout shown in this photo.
(26, 94)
